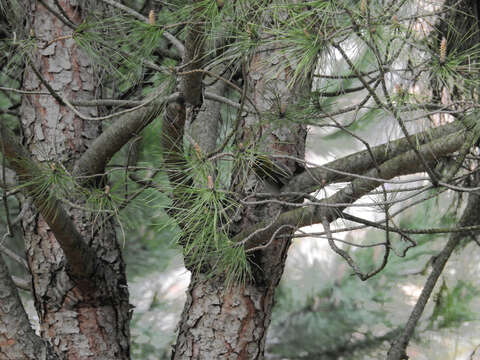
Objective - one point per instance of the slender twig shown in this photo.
(389, 106)
(274, 235)
(470, 216)
(221, 99)
(65, 20)
(392, 215)
(141, 104)
(348, 258)
(259, 231)
(67, 103)
(343, 91)
(351, 76)
(18, 91)
(117, 102)
(401, 164)
(342, 253)
(175, 42)
(319, 203)
(63, 37)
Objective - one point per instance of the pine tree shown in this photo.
(228, 90)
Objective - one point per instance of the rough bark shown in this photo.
(224, 323)
(17, 338)
(81, 258)
(206, 126)
(81, 322)
(193, 58)
(220, 322)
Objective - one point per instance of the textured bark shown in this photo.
(81, 322)
(206, 125)
(17, 338)
(224, 323)
(220, 322)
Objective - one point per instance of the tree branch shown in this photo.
(470, 217)
(314, 178)
(81, 259)
(192, 60)
(93, 161)
(24, 284)
(402, 164)
(173, 40)
(13, 255)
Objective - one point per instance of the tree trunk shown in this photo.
(231, 322)
(224, 323)
(81, 322)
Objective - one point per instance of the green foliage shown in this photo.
(127, 43)
(204, 212)
(337, 316)
(459, 69)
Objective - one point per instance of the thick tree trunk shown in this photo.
(81, 322)
(221, 322)
(224, 323)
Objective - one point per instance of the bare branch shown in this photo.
(116, 102)
(389, 106)
(102, 149)
(13, 255)
(360, 162)
(470, 217)
(274, 235)
(342, 253)
(402, 164)
(24, 284)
